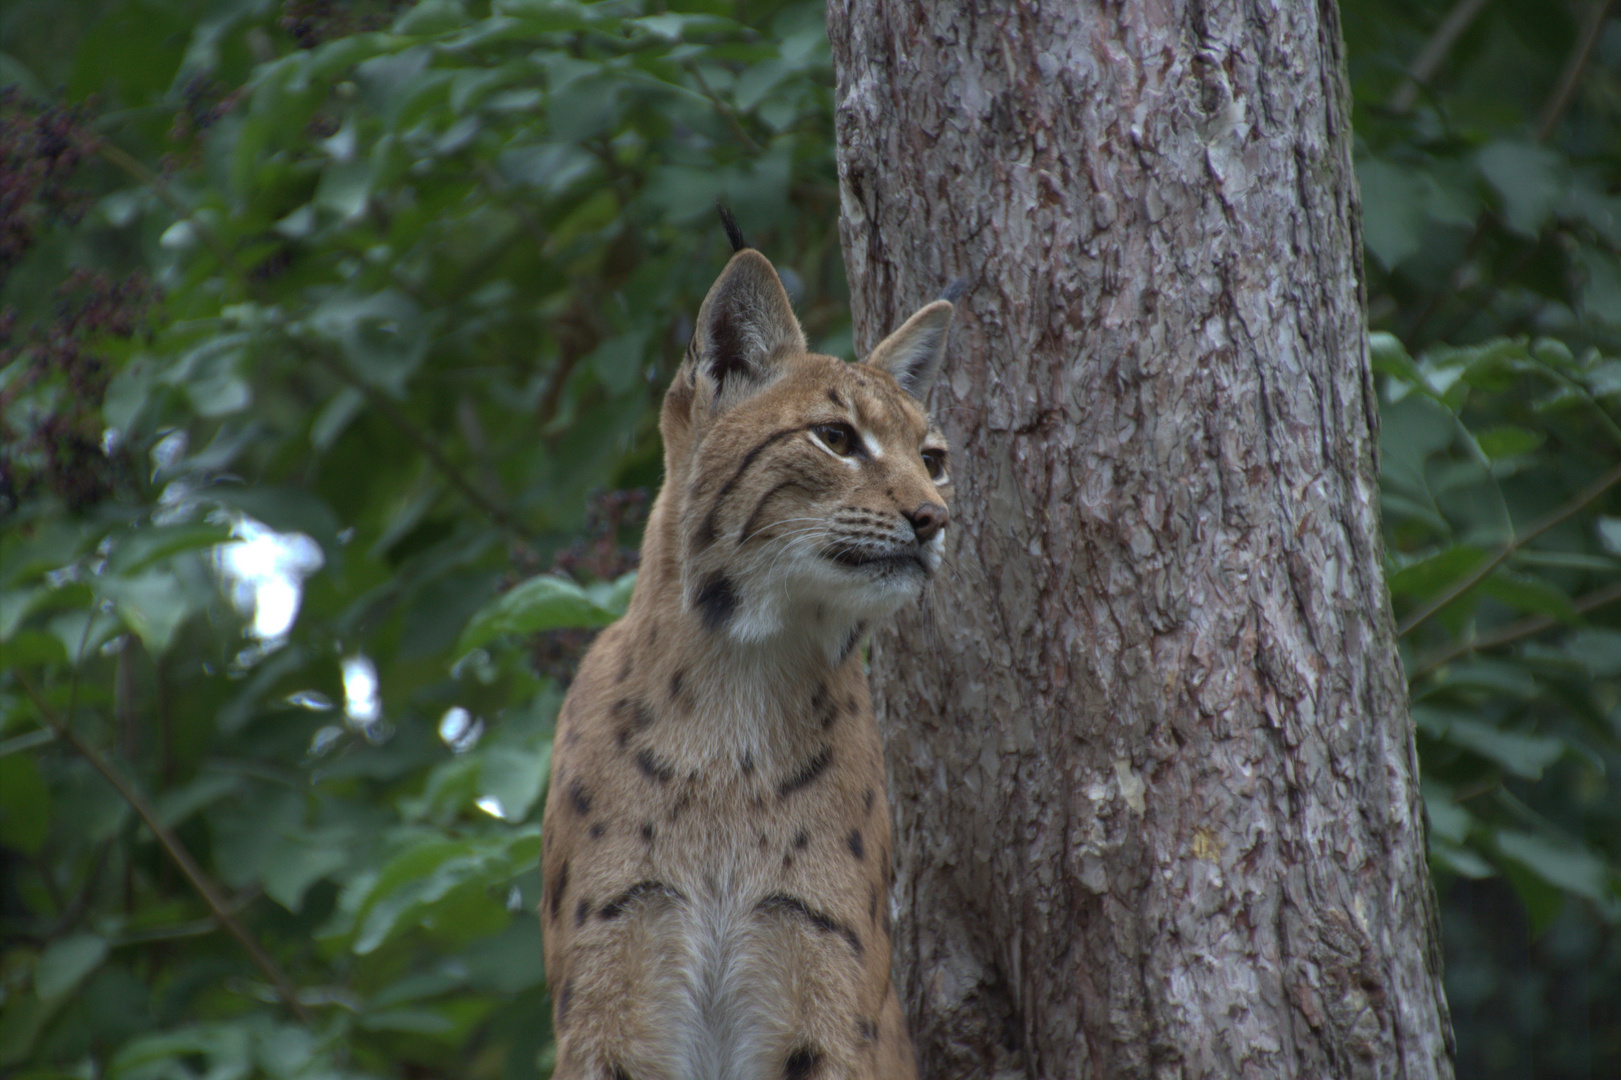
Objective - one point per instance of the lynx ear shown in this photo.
(913, 353)
(744, 320)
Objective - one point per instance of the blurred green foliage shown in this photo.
(352, 312)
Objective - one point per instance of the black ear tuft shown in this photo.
(729, 223)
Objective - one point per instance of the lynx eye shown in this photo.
(839, 438)
(935, 462)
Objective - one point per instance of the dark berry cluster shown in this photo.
(312, 22)
(40, 148)
(51, 431)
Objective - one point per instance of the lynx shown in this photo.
(717, 859)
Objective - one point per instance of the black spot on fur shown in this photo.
(872, 904)
(866, 799)
(618, 1072)
(598, 828)
(564, 999)
(822, 706)
(833, 396)
(801, 1064)
(653, 768)
(716, 602)
(856, 847)
(821, 920)
(582, 912)
(634, 717)
(747, 764)
(647, 831)
(580, 797)
(808, 773)
(558, 888)
(787, 860)
(675, 684)
(626, 668)
(616, 907)
(867, 1029)
(801, 838)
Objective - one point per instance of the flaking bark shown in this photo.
(1154, 777)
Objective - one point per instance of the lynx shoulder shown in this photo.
(717, 859)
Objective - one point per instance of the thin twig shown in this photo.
(726, 113)
(138, 169)
(176, 852)
(1580, 57)
(1428, 60)
(1470, 580)
(391, 412)
(1515, 631)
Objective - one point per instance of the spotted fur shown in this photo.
(717, 836)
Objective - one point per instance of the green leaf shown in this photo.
(1429, 576)
(25, 805)
(513, 776)
(16, 605)
(542, 603)
(1508, 440)
(65, 963)
(139, 549)
(1558, 862)
(1598, 649)
(1530, 594)
(1522, 755)
(153, 604)
(1392, 210)
(1526, 179)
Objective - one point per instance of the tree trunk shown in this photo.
(1153, 768)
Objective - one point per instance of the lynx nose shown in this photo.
(927, 521)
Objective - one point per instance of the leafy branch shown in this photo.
(200, 882)
(1515, 631)
(1497, 558)
(391, 412)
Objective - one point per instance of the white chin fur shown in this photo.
(806, 592)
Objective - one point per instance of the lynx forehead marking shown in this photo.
(716, 821)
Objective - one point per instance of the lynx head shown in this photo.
(812, 492)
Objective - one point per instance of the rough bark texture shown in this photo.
(1154, 773)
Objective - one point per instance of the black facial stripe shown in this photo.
(616, 907)
(801, 1064)
(807, 773)
(716, 602)
(754, 517)
(821, 920)
(558, 888)
(706, 533)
